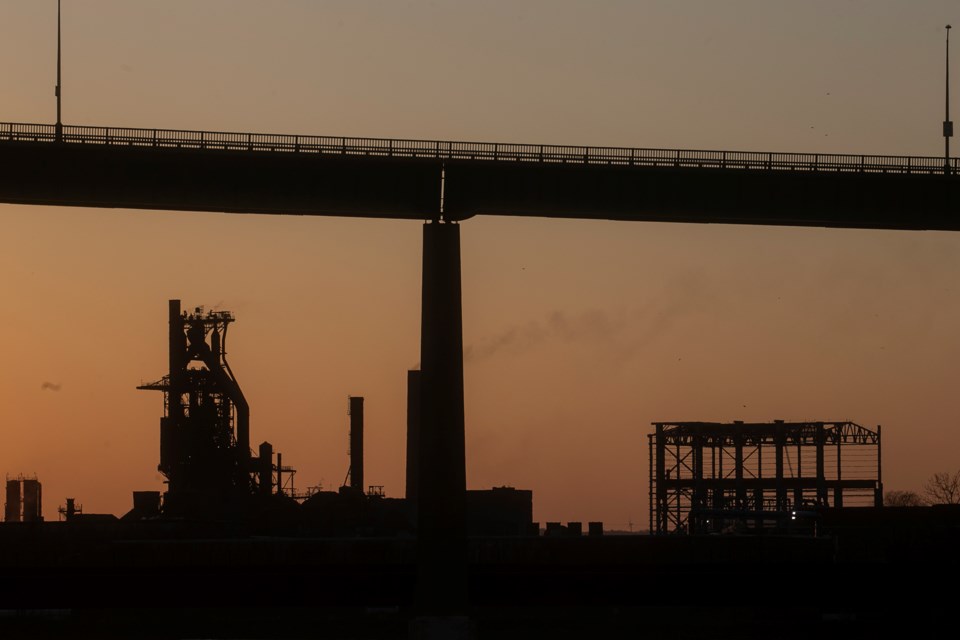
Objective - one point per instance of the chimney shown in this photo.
(413, 435)
(356, 443)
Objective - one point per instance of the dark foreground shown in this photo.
(875, 571)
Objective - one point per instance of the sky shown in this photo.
(579, 333)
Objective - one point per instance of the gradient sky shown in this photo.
(580, 333)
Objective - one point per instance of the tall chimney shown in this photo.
(413, 435)
(356, 443)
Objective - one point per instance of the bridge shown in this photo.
(432, 179)
(444, 182)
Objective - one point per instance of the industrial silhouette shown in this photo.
(211, 474)
(796, 503)
(429, 557)
(205, 434)
(707, 477)
(232, 548)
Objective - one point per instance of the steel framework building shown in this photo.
(708, 477)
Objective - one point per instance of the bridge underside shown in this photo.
(232, 182)
(145, 177)
(709, 195)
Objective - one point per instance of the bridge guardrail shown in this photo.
(478, 151)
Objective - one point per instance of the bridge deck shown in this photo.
(424, 179)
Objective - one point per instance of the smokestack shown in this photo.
(356, 443)
(413, 435)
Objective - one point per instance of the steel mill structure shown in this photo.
(213, 474)
(710, 477)
(205, 431)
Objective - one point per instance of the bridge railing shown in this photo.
(478, 151)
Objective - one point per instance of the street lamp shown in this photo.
(947, 123)
(58, 130)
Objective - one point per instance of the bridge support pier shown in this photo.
(441, 519)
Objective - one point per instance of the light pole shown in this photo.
(947, 123)
(58, 130)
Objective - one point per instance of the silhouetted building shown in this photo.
(501, 511)
(713, 477)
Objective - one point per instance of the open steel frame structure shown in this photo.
(709, 477)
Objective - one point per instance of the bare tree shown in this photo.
(943, 488)
(903, 499)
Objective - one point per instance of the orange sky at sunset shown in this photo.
(579, 333)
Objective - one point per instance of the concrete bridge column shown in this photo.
(441, 520)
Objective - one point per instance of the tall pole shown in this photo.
(59, 127)
(947, 124)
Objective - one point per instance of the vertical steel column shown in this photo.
(651, 485)
(716, 497)
(699, 501)
(781, 490)
(680, 492)
(759, 493)
(661, 484)
(821, 474)
(441, 519)
(738, 467)
(838, 490)
(798, 490)
(878, 492)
